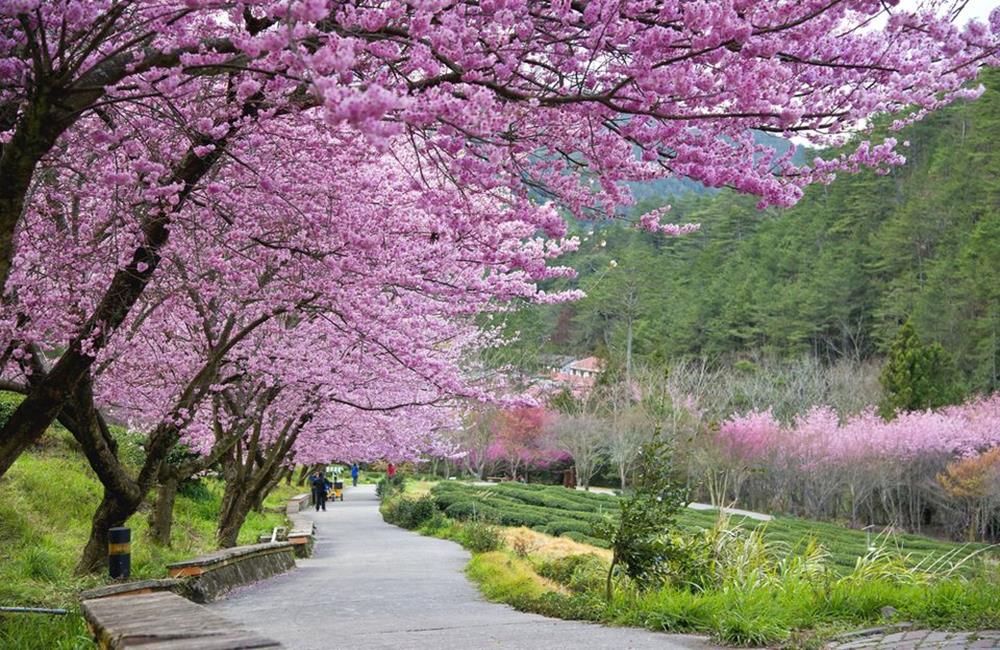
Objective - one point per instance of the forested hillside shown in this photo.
(833, 277)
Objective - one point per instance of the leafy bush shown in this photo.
(481, 537)
(582, 573)
(637, 537)
(575, 607)
(435, 522)
(583, 538)
(408, 513)
(195, 489)
(389, 487)
(8, 404)
(561, 526)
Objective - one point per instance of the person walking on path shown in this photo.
(390, 471)
(354, 474)
(320, 486)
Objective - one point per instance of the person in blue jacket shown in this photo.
(354, 474)
(320, 486)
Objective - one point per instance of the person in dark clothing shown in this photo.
(320, 486)
(354, 474)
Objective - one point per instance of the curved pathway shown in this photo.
(372, 585)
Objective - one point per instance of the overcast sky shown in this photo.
(975, 8)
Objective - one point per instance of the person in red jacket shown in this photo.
(390, 471)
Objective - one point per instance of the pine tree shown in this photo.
(916, 376)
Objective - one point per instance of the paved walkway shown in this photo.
(372, 585)
(924, 640)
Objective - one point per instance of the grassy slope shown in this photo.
(46, 500)
(790, 614)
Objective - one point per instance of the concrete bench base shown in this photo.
(173, 585)
(165, 621)
(209, 577)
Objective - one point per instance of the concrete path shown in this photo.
(372, 585)
(923, 640)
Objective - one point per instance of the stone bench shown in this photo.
(164, 621)
(302, 534)
(210, 576)
(297, 502)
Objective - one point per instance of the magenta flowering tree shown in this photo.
(863, 467)
(158, 101)
(363, 301)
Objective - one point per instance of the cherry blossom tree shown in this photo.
(882, 470)
(376, 314)
(516, 97)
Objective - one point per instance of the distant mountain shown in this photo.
(680, 186)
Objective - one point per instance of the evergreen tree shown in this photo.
(916, 376)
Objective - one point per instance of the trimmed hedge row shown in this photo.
(552, 510)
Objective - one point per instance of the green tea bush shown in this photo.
(583, 538)
(582, 573)
(561, 526)
(481, 537)
(575, 607)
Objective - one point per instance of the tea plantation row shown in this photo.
(555, 510)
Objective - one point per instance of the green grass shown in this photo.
(554, 510)
(793, 613)
(777, 605)
(46, 502)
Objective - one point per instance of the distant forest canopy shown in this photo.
(833, 277)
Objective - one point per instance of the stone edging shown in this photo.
(211, 576)
(135, 588)
(154, 617)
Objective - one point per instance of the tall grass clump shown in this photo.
(744, 589)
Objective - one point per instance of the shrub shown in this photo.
(470, 510)
(435, 522)
(408, 513)
(8, 404)
(387, 487)
(575, 607)
(583, 538)
(636, 537)
(481, 537)
(195, 489)
(561, 526)
(581, 572)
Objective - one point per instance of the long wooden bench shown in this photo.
(165, 621)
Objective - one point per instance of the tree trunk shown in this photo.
(607, 582)
(161, 518)
(114, 510)
(229, 528)
(232, 514)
